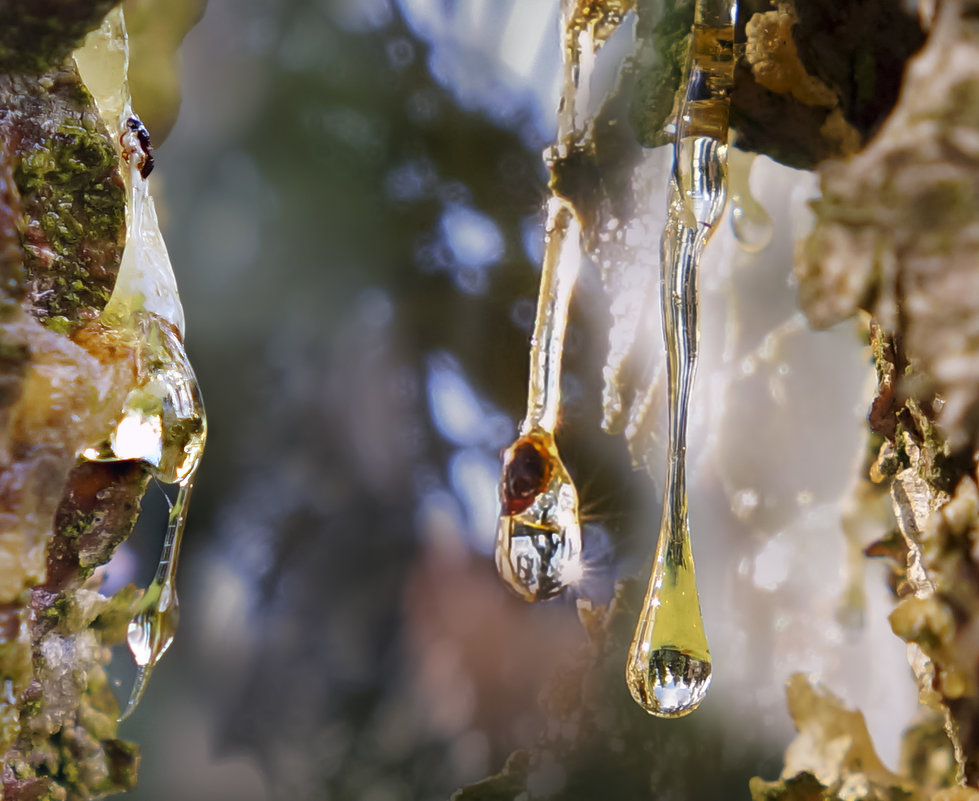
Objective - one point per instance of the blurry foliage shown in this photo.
(156, 29)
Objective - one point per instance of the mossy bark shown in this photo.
(62, 375)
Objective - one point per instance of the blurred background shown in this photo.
(352, 198)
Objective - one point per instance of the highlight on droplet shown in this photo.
(669, 683)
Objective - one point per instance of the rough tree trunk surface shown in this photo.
(62, 230)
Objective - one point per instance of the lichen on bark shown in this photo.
(896, 235)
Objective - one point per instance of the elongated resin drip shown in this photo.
(669, 668)
(163, 425)
(538, 542)
(538, 537)
(162, 422)
(152, 629)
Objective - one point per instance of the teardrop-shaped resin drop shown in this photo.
(150, 634)
(538, 542)
(668, 671)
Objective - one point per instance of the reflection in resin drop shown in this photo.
(152, 629)
(752, 225)
(538, 541)
(668, 669)
(676, 683)
(538, 538)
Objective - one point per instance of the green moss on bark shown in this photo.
(71, 183)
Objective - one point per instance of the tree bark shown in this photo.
(64, 376)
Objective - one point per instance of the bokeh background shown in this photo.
(352, 198)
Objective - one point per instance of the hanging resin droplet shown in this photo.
(152, 629)
(669, 666)
(668, 670)
(752, 224)
(162, 424)
(162, 421)
(538, 541)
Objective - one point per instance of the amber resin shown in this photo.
(538, 540)
(538, 546)
(162, 421)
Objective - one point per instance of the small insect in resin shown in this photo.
(526, 472)
(538, 539)
(135, 143)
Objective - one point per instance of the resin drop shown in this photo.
(162, 421)
(153, 627)
(669, 666)
(538, 541)
(163, 425)
(668, 669)
(538, 538)
(752, 225)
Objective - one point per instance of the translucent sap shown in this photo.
(538, 541)
(752, 225)
(163, 425)
(152, 629)
(668, 669)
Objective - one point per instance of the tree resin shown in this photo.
(752, 225)
(538, 538)
(152, 629)
(669, 668)
(163, 425)
(162, 422)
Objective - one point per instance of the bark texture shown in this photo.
(64, 376)
(896, 233)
